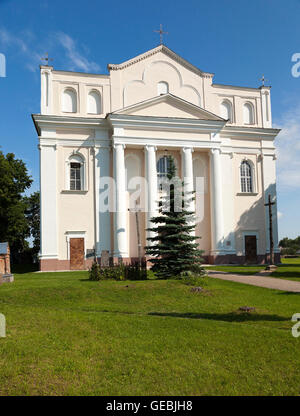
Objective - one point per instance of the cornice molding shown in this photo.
(163, 123)
(249, 132)
(166, 142)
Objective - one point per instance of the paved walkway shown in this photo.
(256, 280)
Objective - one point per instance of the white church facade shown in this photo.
(124, 125)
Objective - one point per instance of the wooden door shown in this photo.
(250, 249)
(76, 253)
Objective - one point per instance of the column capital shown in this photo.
(117, 145)
(186, 149)
(215, 150)
(150, 147)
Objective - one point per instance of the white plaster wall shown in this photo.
(138, 82)
(249, 208)
(75, 209)
(49, 174)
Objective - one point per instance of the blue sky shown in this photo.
(238, 40)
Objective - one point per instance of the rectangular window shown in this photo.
(75, 176)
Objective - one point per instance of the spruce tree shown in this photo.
(173, 249)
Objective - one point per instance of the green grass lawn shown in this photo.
(289, 269)
(69, 336)
(244, 270)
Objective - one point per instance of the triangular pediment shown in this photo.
(164, 50)
(168, 106)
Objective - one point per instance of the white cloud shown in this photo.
(288, 149)
(63, 47)
(279, 214)
(77, 60)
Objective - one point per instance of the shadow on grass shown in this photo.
(287, 274)
(227, 317)
(24, 268)
(289, 293)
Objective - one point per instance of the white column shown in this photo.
(151, 177)
(188, 176)
(120, 223)
(48, 191)
(188, 179)
(103, 185)
(217, 220)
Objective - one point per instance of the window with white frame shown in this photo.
(162, 88)
(162, 170)
(248, 113)
(75, 173)
(246, 177)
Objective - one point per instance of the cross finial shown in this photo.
(161, 33)
(47, 59)
(263, 80)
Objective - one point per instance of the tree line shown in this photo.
(290, 246)
(19, 214)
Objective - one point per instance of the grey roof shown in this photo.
(3, 248)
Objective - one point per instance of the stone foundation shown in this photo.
(55, 265)
(51, 265)
(234, 259)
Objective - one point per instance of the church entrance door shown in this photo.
(76, 253)
(250, 249)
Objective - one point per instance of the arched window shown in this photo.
(248, 113)
(226, 110)
(162, 170)
(75, 173)
(246, 177)
(69, 101)
(94, 103)
(162, 88)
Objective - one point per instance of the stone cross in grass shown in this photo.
(269, 204)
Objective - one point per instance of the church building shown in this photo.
(98, 132)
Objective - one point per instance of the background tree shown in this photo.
(32, 214)
(174, 248)
(289, 246)
(14, 180)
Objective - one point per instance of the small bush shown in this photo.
(193, 279)
(135, 271)
(113, 273)
(118, 272)
(94, 272)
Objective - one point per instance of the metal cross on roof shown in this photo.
(161, 33)
(263, 80)
(47, 59)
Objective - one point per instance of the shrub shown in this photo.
(192, 279)
(135, 271)
(118, 272)
(94, 272)
(113, 273)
